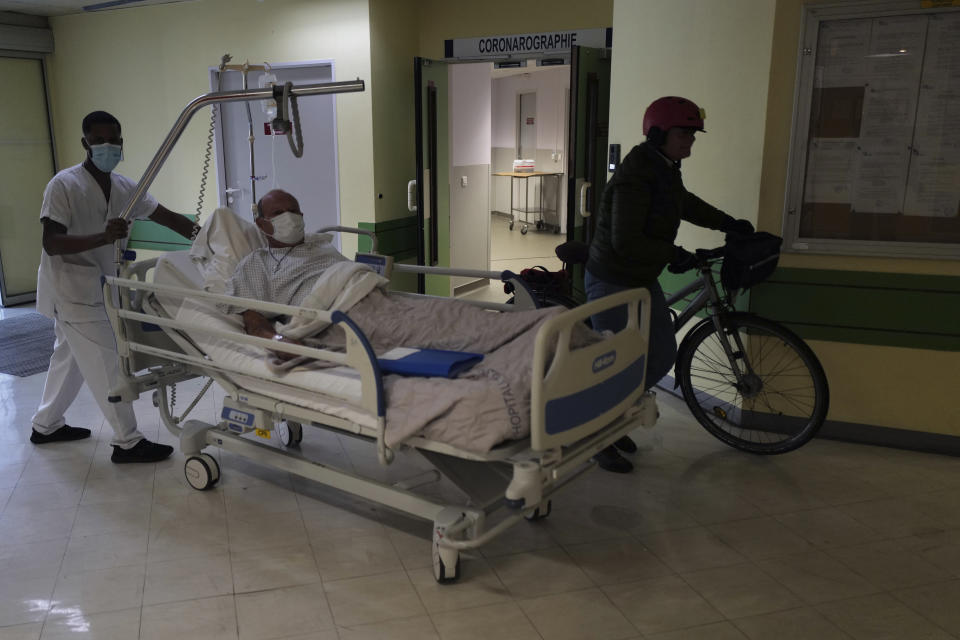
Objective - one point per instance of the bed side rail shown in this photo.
(586, 389)
(358, 355)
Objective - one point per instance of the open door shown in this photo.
(586, 153)
(433, 180)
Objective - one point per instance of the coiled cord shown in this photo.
(296, 149)
(210, 134)
(206, 160)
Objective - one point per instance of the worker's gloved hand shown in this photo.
(739, 227)
(115, 229)
(682, 261)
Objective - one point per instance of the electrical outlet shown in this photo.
(463, 181)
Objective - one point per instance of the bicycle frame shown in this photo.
(708, 297)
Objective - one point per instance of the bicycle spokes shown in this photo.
(754, 385)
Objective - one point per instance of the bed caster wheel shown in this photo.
(446, 564)
(290, 433)
(537, 514)
(511, 226)
(201, 471)
(156, 398)
(523, 230)
(539, 225)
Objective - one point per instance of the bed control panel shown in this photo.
(240, 418)
(379, 263)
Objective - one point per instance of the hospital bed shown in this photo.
(581, 400)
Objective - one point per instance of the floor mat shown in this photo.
(26, 343)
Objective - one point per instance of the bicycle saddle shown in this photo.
(573, 252)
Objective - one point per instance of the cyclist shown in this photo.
(633, 241)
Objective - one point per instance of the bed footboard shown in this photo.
(583, 390)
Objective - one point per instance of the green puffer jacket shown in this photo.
(640, 212)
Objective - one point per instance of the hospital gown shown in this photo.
(281, 274)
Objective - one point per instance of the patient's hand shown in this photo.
(283, 356)
(255, 324)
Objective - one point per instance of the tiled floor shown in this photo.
(516, 251)
(835, 540)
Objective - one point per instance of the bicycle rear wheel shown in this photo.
(782, 400)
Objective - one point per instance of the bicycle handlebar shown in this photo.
(708, 255)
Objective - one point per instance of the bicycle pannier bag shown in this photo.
(749, 260)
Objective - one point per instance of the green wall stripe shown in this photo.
(903, 310)
(147, 234)
(672, 282)
(397, 237)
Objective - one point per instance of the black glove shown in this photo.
(739, 227)
(682, 261)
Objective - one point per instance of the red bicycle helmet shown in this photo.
(671, 111)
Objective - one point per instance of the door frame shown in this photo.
(569, 111)
(29, 296)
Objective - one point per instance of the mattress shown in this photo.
(305, 388)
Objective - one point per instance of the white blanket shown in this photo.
(343, 285)
(340, 287)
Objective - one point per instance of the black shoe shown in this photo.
(143, 451)
(610, 460)
(63, 434)
(626, 445)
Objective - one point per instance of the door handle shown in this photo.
(583, 200)
(412, 196)
(229, 192)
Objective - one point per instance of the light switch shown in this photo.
(463, 181)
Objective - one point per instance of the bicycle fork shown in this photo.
(748, 383)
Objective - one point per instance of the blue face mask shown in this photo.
(106, 156)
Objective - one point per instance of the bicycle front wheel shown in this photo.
(781, 398)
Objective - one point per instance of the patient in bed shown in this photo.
(308, 271)
(483, 405)
(285, 270)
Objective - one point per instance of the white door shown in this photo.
(312, 179)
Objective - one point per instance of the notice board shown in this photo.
(883, 149)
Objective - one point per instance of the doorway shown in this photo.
(529, 124)
(479, 206)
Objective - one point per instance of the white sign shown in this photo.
(527, 43)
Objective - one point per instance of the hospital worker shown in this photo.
(80, 226)
(640, 212)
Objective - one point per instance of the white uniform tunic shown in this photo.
(69, 291)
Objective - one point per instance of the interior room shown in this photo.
(343, 496)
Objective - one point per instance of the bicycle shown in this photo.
(749, 381)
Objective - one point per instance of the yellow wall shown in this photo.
(144, 64)
(738, 60)
(885, 386)
(892, 387)
(716, 54)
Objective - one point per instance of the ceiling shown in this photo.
(63, 7)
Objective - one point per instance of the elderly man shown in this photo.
(285, 270)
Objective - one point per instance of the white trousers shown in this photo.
(85, 352)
